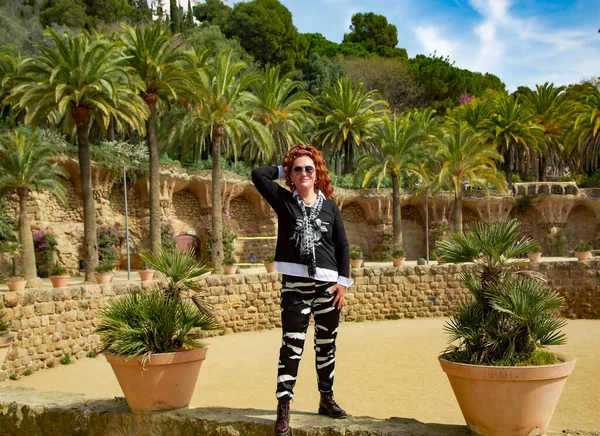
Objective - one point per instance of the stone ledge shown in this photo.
(28, 412)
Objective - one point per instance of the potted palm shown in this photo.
(504, 379)
(229, 258)
(270, 263)
(356, 256)
(398, 256)
(583, 250)
(16, 282)
(536, 254)
(59, 276)
(5, 338)
(151, 338)
(103, 272)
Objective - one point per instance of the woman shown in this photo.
(313, 257)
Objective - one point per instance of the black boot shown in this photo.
(328, 406)
(282, 425)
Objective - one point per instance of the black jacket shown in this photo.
(331, 250)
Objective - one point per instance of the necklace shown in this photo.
(311, 202)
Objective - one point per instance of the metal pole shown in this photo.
(427, 225)
(126, 225)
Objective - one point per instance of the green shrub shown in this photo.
(167, 236)
(162, 320)
(511, 315)
(28, 372)
(58, 270)
(269, 258)
(398, 252)
(65, 360)
(356, 252)
(105, 266)
(583, 246)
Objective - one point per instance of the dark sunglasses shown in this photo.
(308, 169)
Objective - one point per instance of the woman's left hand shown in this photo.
(340, 291)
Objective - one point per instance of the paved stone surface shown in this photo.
(28, 412)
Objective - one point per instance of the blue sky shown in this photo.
(524, 42)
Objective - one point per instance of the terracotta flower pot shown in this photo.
(356, 263)
(270, 267)
(59, 281)
(5, 343)
(103, 278)
(398, 261)
(166, 382)
(583, 255)
(534, 257)
(230, 269)
(16, 284)
(507, 400)
(146, 274)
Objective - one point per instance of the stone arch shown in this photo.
(186, 206)
(243, 217)
(71, 211)
(581, 225)
(469, 216)
(357, 230)
(413, 232)
(353, 213)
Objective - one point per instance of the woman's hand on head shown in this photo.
(340, 295)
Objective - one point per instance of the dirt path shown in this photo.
(383, 369)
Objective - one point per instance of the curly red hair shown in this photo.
(322, 181)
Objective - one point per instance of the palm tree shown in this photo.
(24, 169)
(512, 313)
(584, 137)
(474, 113)
(11, 73)
(397, 153)
(350, 114)
(549, 106)
(82, 79)
(512, 128)
(156, 57)
(222, 115)
(280, 104)
(466, 157)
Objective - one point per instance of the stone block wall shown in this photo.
(51, 323)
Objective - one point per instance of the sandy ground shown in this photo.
(384, 369)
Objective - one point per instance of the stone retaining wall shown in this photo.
(51, 323)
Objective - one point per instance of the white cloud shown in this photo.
(520, 50)
(432, 41)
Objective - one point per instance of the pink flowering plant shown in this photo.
(110, 239)
(44, 243)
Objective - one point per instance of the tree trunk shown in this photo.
(508, 166)
(542, 168)
(217, 216)
(154, 177)
(110, 132)
(397, 210)
(26, 238)
(458, 215)
(349, 153)
(89, 207)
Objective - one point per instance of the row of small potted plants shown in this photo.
(398, 255)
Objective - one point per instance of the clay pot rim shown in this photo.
(146, 270)
(556, 370)
(158, 359)
(17, 279)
